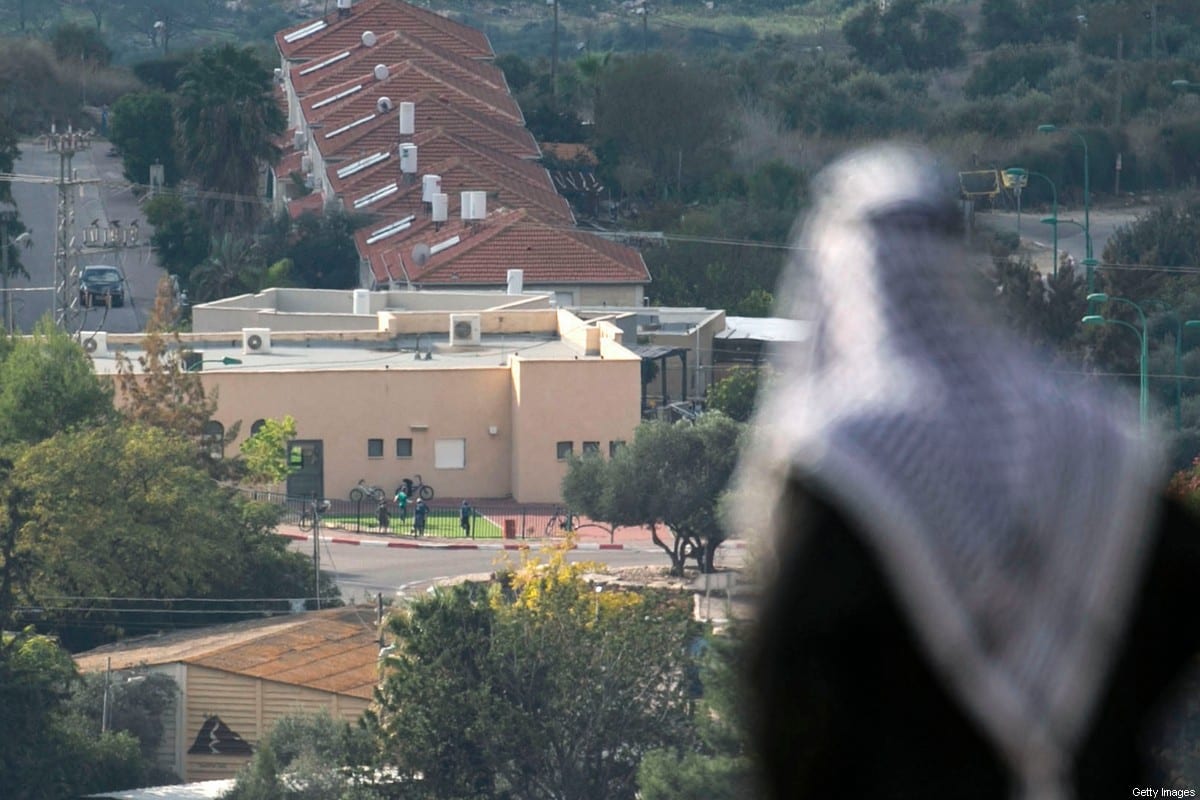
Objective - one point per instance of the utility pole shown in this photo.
(66, 145)
(554, 60)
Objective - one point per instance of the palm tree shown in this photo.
(226, 119)
(232, 267)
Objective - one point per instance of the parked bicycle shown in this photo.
(308, 515)
(364, 490)
(416, 487)
(561, 520)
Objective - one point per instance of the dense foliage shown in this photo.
(538, 687)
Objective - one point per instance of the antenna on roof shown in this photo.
(420, 254)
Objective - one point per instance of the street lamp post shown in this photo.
(1053, 208)
(1090, 261)
(6, 301)
(1099, 319)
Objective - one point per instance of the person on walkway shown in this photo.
(977, 576)
(383, 517)
(464, 518)
(420, 511)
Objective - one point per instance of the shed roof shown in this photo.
(335, 650)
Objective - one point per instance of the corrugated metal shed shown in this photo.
(335, 650)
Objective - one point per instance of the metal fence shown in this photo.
(444, 519)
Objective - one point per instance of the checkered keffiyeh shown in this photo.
(1008, 513)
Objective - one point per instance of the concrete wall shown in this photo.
(603, 401)
(346, 408)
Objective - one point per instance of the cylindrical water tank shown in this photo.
(362, 301)
(408, 117)
(430, 185)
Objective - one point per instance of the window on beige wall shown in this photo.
(564, 450)
(404, 448)
(450, 454)
(374, 448)
(591, 448)
(614, 446)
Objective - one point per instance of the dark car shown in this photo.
(100, 283)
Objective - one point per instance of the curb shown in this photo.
(454, 544)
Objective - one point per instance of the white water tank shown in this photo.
(408, 158)
(441, 206)
(408, 117)
(516, 281)
(362, 302)
(430, 185)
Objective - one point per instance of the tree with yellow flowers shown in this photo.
(535, 685)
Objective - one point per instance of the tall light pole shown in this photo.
(1089, 261)
(1052, 220)
(1099, 319)
(6, 301)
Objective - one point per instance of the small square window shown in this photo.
(565, 450)
(614, 446)
(591, 448)
(374, 448)
(404, 448)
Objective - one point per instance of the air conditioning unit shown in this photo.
(464, 330)
(256, 340)
(95, 343)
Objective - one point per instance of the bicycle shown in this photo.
(417, 488)
(362, 490)
(562, 519)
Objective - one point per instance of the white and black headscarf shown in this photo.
(1008, 513)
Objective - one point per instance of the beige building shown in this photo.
(236, 680)
(484, 395)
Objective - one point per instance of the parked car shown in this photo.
(99, 283)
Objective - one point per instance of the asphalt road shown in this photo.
(106, 200)
(364, 572)
(1039, 238)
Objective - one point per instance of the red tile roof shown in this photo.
(393, 48)
(382, 130)
(344, 102)
(508, 239)
(380, 16)
(458, 175)
(434, 147)
(310, 202)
